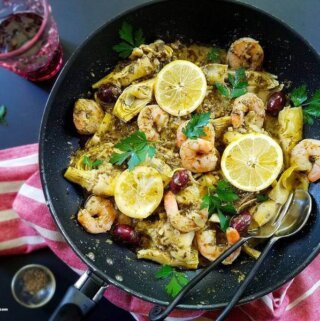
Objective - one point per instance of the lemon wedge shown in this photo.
(180, 87)
(252, 162)
(138, 192)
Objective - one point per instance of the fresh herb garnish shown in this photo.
(262, 198)
(220, 202)
(238, 83)
(299, 95)
(136, 148)
(214, 54)
(3, 113)
(177, 279)
(91, 164)
(132, 39)
(195, 125)
(311, 110)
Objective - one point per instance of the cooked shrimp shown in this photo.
(198, 155)
(187, 220)
(97, 216)
(87, 116)
(152, 120)
(208, 247)
(306, 155)
(245, 52)
(208, 130)
(248, 111)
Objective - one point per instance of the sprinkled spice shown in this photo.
(34, 280)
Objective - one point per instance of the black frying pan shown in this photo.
(218, 22)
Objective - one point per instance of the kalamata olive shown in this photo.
(179, 181)
(276, 102)
(241, 222)
(108, 93)
(125, 234)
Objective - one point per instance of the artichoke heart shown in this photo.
(290, 129)
(162, 167)
(145, 62)
(133, 99)
(168, 245)
(261, 80)
(215, 73)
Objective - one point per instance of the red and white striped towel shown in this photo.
(26, 225)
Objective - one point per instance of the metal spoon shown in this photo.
(157, 313)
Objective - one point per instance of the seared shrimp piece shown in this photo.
(208, 130)
(306, 155)
(245, 52)
(187, 220)
(97, 216)
(87, 116)
(208, 247)
(198, 155)
(248, 111)
(151, 120)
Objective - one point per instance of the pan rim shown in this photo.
(49, 201)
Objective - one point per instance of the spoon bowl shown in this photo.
(297, 215)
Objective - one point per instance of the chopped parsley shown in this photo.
(195, 125)
(214, 55)
(3, 113)
(262, 198)
(238, 83)
(177, 280)
(91, 164)
(131, 39)
(135, 150)
(311, 106)
(220, 202)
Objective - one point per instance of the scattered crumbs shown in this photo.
(241, 275)
(202, 302)
(109, 261)
(109, 241)
(91, 256)
(119, 278)
(69, 143)
(92, 74)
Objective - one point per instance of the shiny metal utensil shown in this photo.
(295, 219)
(157, 313)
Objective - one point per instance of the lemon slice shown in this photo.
(138, 192)
(180, 87)
(252, 162)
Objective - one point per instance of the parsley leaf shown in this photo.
(91, 164)
(164, 272)
(226, 192)
(221, 203)
(311, 110)
(3, 113)
(214, 54)
(262, 198)
(131, 39)
(299, 95)
(224, 221)
(238, 83)
(136, 148)
(177, 279)
(194, 128)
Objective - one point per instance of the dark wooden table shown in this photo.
(25, 101)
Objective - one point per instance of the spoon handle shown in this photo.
(247, 280)
(157, 313)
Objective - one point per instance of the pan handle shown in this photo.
(80, 298)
